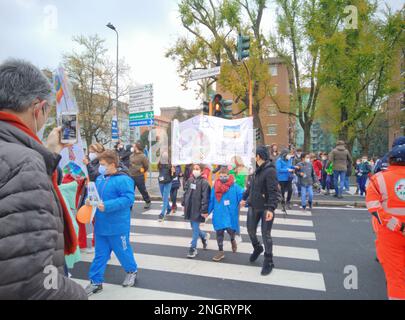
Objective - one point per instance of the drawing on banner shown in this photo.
(72, 158)
(211, 140)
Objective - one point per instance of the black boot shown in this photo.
(268, 266)
(256, 253)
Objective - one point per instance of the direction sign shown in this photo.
(140, 89)
(141, 116)
(147, 108)
(142, 123)
(141, 95)
(202, 74)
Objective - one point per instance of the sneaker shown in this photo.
(310, 205)
(256, 254)
(130, 280)
(93, 289)
(147, 205)
(289, 206)
(234, 246)
(161, 218)
(192, 253)
(219, 257)
(268, 266)
(304, 208)
(89, 250)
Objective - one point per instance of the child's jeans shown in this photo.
(197, 233)
(306, 190)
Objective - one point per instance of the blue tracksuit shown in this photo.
(226, 211)
(282, 167)
(112, 227)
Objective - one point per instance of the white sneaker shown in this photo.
(238, 239)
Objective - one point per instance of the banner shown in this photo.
(72, 158)
(213, 141)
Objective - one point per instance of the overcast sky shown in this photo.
(42, 30)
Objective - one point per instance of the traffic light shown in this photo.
(217, 105)
(243, 47)
(222, 108)
(258, 135)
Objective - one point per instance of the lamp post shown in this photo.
(112, 27)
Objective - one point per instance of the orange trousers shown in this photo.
(391, 253)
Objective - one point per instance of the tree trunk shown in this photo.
(307, 137)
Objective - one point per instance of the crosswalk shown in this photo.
(165, 273)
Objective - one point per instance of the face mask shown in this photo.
(364, 160)
(307, 160)
(92, 156)
(224, 179)
(196, 173)
(132, 150)
(299, 155)
(289, 157)
(102, 170)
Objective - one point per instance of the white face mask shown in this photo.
(132, 150)
(289, 157)
(92, 156)
(197, 173)
(307, 160)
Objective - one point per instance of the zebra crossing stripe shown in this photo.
(224, 271)
(298, 235)
(115, 292)
(243, 218)
(183, 242)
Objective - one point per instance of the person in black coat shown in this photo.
(91, 161)
(196, 202)
(263, 197)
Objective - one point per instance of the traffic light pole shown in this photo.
(250, 90)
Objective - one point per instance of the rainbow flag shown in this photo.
(58, 89)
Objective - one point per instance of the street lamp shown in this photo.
(112, 27)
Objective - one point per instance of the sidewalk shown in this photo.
(349, 199)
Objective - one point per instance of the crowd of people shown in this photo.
(39, 201)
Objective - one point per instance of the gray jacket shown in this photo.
(31, 221)
(309, 177)
(340, 157)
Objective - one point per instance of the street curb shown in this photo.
(317, 203)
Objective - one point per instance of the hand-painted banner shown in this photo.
(72, 158)
(213, 141)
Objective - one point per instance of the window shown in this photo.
(272, 130)
(274, 71)
(273, 112)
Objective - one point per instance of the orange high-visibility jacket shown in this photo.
(386, 193)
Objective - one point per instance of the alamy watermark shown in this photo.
(51, 280)
(50, 13)
(351, 282)
(351, 21)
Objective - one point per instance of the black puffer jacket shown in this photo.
(196, 199)
(31, 221)
(263, 192)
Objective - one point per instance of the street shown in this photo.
(312, 250)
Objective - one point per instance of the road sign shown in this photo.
(142, 123)
(148, 108)
(141, 95)
(202, 74)
(142, 116)
(141, 89)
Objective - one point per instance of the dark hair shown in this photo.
(110, 157)
(224, 170)
(303, 156)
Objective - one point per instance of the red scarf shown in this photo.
(68, 230)
(222, 188)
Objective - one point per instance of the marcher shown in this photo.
(224, 207)
(138, 166)
(364, 172)
(274, 153)
(34, 234)
(263, 196)
(349, 173)
(340, 157)
(317, 165)
(92, 163)
(196, 204)
(297, 160)
(285, 176)
(386, 202)
(324, 157)
(113, 223)
(308, 178)
(175, 188)
(358, 175)
(166, 174)
(126, 155)
(383, 163)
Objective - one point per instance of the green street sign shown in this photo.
(141, 116)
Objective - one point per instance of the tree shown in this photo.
(359, 65)
(93, 77)
(214, 27)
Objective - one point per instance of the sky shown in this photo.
(41, 31)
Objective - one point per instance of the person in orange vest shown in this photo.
(386, 202)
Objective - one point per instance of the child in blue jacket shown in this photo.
(224, 204)
(113, 223)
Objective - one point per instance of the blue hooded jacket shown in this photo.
(226, 216)
(282, 167)
(117, 194)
